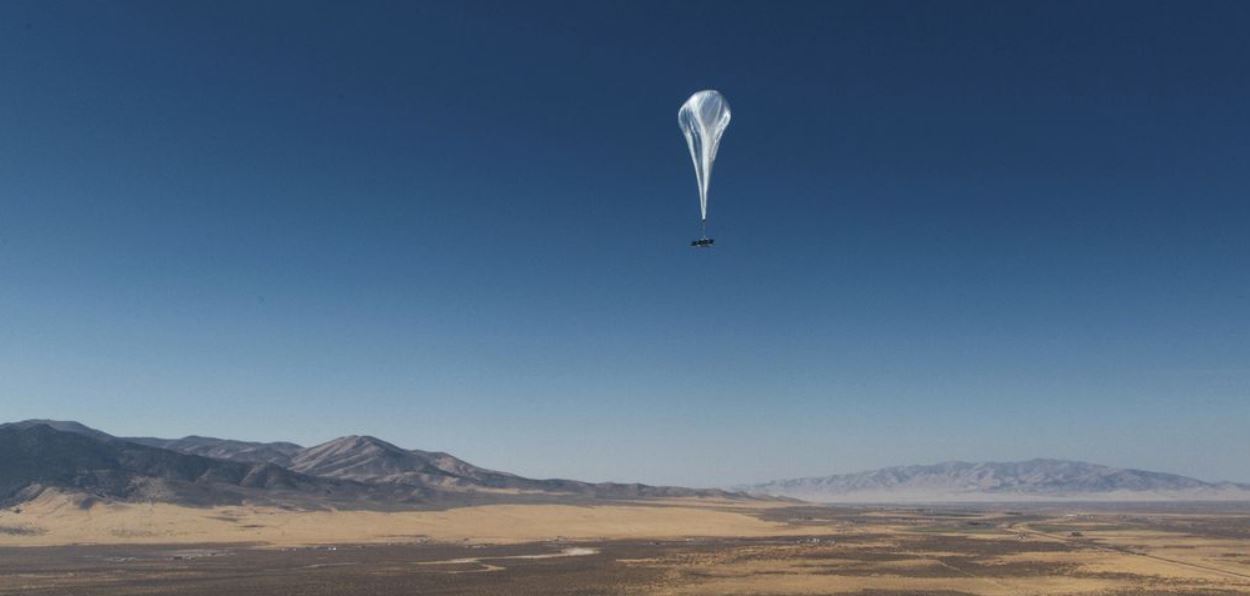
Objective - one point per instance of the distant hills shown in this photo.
(1033, 480)
(352, 471)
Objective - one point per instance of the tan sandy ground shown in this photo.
(55, 519)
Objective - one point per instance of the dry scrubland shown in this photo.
(58, 544)
(57, 519)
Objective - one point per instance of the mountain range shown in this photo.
(367, 472)
(352, 471)
(1033, 480)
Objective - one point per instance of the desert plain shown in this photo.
(63, 544)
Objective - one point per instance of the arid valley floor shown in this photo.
(56, 545)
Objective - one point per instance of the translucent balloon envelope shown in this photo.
(703, 119)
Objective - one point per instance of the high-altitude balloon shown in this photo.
(703, 119)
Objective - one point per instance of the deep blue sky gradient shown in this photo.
(957, 230)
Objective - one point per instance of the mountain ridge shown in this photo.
(278, 453)
(353, 469)
(1035, 479)
(39, 456)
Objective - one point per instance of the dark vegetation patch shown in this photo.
(965, 529)
(806, 514)
(22, 530)
(896, 592)
(982, 547)
(1010, 569)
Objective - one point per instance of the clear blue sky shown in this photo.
(980, 231)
